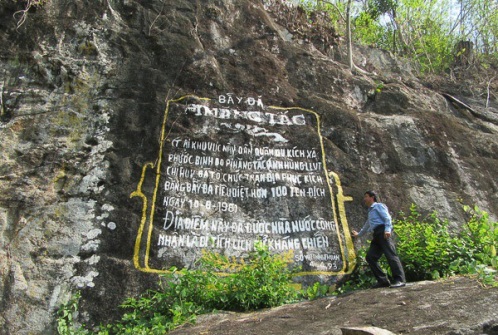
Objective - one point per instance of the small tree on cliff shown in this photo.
(346, 17)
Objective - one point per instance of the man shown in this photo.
(379, 222)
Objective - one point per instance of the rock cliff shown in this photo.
(100, 98)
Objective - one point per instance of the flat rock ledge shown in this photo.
(456, 306)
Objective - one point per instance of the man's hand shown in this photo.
(387, 235)
(354, 233)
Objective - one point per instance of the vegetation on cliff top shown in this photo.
(451, 44)
(438, 35)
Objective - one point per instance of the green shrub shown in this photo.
(479, 238)
(264, 281)
(220, 283)
(316, 291)
(426, 246)
(429, 250)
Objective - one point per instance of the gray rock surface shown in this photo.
(453, 306)
(83, 89)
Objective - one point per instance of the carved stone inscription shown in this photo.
(233, 172)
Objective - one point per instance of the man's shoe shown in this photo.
(380, 285)
(397, 284)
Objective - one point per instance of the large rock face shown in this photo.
(421, 308)
(94, 97)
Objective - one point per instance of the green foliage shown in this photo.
(425, 246)
(379, 88)
(479, 24)
(316, 291)
(368, 31)
(429, 250)
(480, 239)
(66, 315)
(424, 32)
(264, 281)
(379, 7)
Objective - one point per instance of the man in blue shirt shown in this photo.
(379, 222)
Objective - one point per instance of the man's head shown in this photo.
(369, 198)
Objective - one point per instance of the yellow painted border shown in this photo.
(147, 223)
(139, 193)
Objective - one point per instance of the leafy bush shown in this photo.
(316, 291)
(480, 239)
(429, 250)
(426, 246)
(220, 283)
(264, 281)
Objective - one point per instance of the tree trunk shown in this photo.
(464, 53)
(350, 43)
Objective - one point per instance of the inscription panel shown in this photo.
(230, 173)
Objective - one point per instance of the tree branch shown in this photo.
(337, 8)
(487, 99)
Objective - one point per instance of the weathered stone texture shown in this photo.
(450, 307)
(83, 90)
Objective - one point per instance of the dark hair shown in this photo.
(372, 194)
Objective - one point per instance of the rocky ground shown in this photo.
(456, 306)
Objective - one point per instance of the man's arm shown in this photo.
(362, 231)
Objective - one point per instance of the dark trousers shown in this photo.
(379, 246)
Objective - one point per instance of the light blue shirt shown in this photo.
(378, 214)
